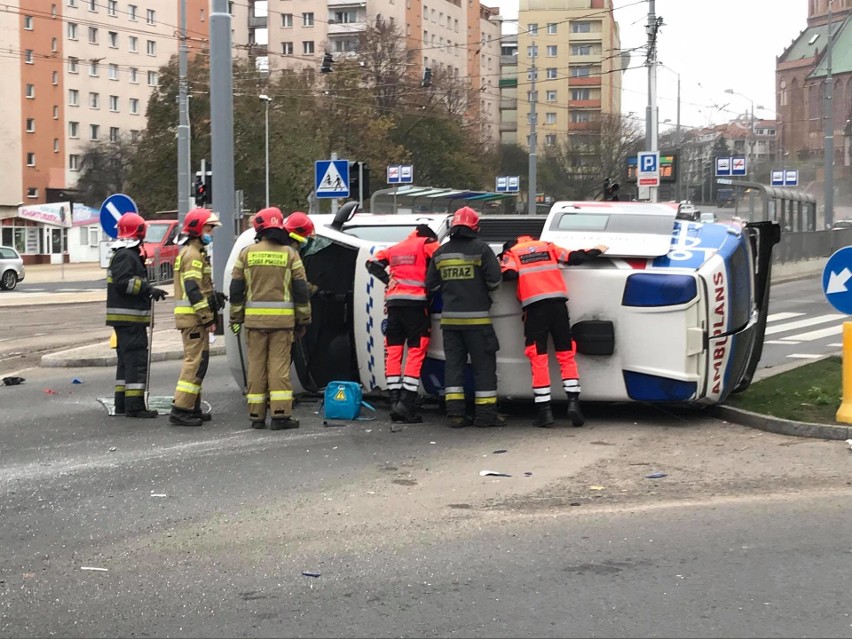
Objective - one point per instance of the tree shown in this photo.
(105, 168)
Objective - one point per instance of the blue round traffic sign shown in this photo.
(113, 208)
(837, 280)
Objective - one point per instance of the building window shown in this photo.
(580, 94)
(580, 116)
(93, 5)
(113, 39)
(132, 44)
(113, 134)
(32, 192)
(74, 130)
(73, 97)
(72, 31)
(551, 28)
(112, 7)
(30, 159)
(550, 140)
(550, 73)
(131, 12)
(53, 11)
(94, 71)
(54, 45)
(28, 56)
(30, 125)
(94, 100)
(550, 118)
(580, 72)
(532, 29)
(286, 20)
(113, 72)
(551, 96)
(151, 47)
(532, 51)
(134, 106)
(55, 112)
(93, 35)
(30, 91)
(287, 48)
(134, 72)
(113, 103)
(54, 78)
(94, 131)
(72, 3)
(28, 23)
(150, 16)
(308, 47)
(307, 19)
(72, 65)
(74, 162)
(152, 78)
(344, 17)
(581, 49)
(56, 145)
(551, 50)
(134, 135)
(581, 27)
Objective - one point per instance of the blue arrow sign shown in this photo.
(835, 280)
(113, 208)
(331, 178)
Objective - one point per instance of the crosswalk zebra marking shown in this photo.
(780, 317)
(814, 335)
(791, 326)
(804, 356)
(778, 342)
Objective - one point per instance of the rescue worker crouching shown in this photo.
(269, 294)
(465, 270)
(129, 300)
(534, 264)
(196, 305)
(409, 322)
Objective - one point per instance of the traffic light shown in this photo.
(610, 190)
(326, 63)
(427, 77)
(199, 192)
(355, 181)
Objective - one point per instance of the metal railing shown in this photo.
(797, 246)
(160, 271)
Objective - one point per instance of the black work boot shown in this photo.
(544, 419)
(574, 413)
(258, 423)
(458, 421)
(489, 419)
(197, 412)
(404, 410)
(181, 417)
(282, 423)
(143, 413)
(119, 404)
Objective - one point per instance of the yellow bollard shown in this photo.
(113, 339)
(844, 413)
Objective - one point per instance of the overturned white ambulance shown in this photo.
(675, 311)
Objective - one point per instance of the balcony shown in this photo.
(508, 104)
(508, 127)
(589, 81)
(584, 104)
(257, 23)
(346, 3)
(345, 28)
(508, 60)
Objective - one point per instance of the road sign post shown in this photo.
(331, 179)
(113, 208)
(838, 292)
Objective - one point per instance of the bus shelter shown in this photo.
(793, 210)
(410, 199)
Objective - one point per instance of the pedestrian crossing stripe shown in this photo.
(341, 395)
(332, 182)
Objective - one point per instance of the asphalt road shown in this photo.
(208, 532)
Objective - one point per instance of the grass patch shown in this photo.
(809, 393)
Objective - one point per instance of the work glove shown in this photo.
(217, 301)
(236, 327)
(157, 294)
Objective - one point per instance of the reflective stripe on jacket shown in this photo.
(193, 286)
(537, 264)
(128, 299)
(407, 262)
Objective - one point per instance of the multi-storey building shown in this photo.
(575, 49)
(509, 90)
(80, 71)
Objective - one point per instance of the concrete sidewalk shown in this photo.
(82, 272)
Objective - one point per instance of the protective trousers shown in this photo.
(541, 320)
(196, 358)
(131, 368)
(411, 325)
(269, 372)
(481, 345)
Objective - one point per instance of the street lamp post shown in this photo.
(266, 100)
(750, 138)
(677, 135)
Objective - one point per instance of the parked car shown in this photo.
(687, 211)
(161, 248)
(844, 223)
(11, 268)
(707, 217)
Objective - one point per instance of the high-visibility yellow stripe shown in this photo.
(256, 398)
(270, 311)
(460, 321)
(134, 393)
(485, 400)
(119, 388)
(280, 395)
(453, 396)
(138, 319)
(188, 387)
(200, 305)
(184, 310)
(192, 274)
(460, 262)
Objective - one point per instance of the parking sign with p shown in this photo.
(648, 173)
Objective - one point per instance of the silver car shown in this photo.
(11, 268)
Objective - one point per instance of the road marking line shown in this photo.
(791, 326)
(777, 317)
(835, 345)
(778, 341)
(831, 331)
(804, 356)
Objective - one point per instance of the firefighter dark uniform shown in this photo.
(543, 296)
(196, 304)
(129, 299)
(408, 322)
(269, 294)
(465, 270)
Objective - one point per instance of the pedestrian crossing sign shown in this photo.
(331, 178)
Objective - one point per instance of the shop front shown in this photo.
(53, 233)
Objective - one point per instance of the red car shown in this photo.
(161, 248)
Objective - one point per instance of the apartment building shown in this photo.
(454, 38)
(574, 46)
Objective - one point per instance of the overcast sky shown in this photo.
(714, 45)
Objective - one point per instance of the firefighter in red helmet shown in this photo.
(466, 271)
(196, 305)
(407, 308)
(129, 300)
(534, 264)
(269, 294)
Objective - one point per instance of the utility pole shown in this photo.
(651, 114)
(829, 127)
(533, 187)
(678, 138)
(222, 136)
(184, 160)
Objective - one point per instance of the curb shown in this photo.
(782, 426)
(66, 359)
